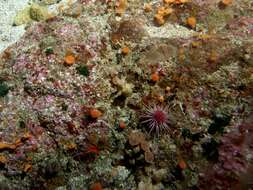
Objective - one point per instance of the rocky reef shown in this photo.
(126, 94)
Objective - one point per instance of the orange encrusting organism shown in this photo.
(122, 125)
(147, 7)
(69, 59)
(125, 50)
(121, 7)
(3, 159)
(96, 186)
(92, 149)
(155, 77)
(191, 22)
(162, 12)
(95, 113)
(71, 146)
(161, 99)
(159, 19)
(226, 2)
(27, 168)
(182, 165)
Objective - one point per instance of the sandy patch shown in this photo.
(10, 34)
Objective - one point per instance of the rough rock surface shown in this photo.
(84, 94)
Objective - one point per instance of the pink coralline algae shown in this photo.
(232, 162)
(241, 26)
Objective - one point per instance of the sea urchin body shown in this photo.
(156, 119)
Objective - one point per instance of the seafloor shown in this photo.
(125, 95)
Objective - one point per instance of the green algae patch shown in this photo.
(34, 12)
(22, 17)
(38, 13)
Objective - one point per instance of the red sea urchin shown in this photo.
(156, 119)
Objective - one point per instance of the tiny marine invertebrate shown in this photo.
(155, 77)
(191, 22)
(3, 159)
(161, 14)
(156, 119)
(96, 186)
(125, 50)
(226, 2)
(122, 125)
(121, 7)
(182, 164)
(92, 149)
(95, 113)
(124, 88)
(27, 168)
(69, 59)
(147, 7)
(159, 19)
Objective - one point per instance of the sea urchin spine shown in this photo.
(156, 119)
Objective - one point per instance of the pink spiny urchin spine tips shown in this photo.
(156, 119)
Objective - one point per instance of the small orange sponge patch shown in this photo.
(191, 22)
(69, 59)
(96, 186)
(155, 77)
(125, 50)
(94, 113)
(226, 2)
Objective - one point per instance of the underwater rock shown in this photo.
(77, 87)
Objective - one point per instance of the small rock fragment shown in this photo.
(135, 138)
